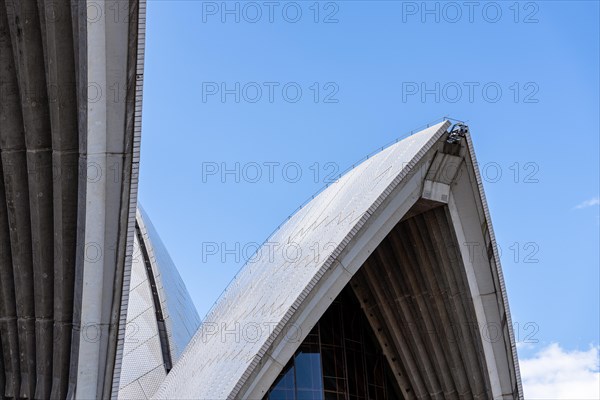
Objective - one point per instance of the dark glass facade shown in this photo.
(340, 359)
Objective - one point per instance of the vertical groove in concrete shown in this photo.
(417, 323)
(413, 289)
(406, 235)
(406, 253)
(459, 313)
(29, 58)
(79, 30)
(407, 319)
(443, 254)
(399, 337)
(8, 314)
(384, 267)
(44, 138)
(2, 381)
(57, 35)
(429, 272)
(464, 315)
(14, 161)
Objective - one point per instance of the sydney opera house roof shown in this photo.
(399, 230)
(161, 318)
(386, 285)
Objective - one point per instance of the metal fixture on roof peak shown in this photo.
(457, 132)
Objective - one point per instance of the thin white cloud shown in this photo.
(589, 203)
(555, 373)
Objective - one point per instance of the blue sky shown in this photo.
(304, 87)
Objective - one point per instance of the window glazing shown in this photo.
(339, 360)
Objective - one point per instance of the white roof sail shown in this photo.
(267, 288)
(278, 296)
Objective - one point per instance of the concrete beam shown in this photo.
(24, 23)
(51, 291)
(14, 160)
(9, 344)
(109, 219)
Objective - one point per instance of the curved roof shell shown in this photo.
(274, 301)
(161, 318)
